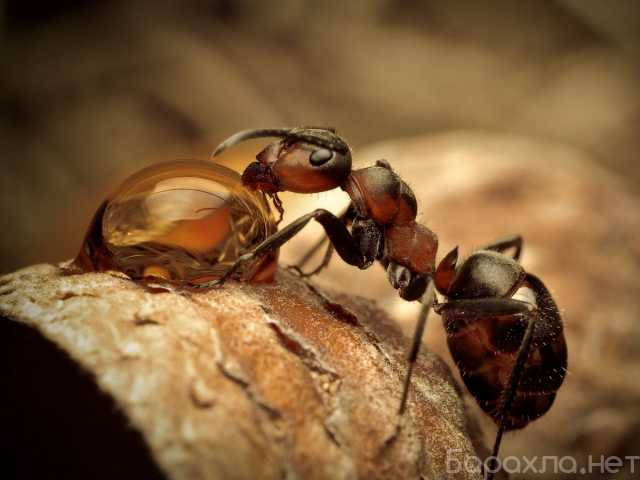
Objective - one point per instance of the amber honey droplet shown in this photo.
(184, 221)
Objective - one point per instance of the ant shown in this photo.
(503, 328)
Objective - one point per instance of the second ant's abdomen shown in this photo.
(485, 349)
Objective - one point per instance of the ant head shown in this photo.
(304, 160)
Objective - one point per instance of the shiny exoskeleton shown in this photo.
(491, 300)
(504, 329)
(381, 215)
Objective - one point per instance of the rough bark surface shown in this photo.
(275, 381)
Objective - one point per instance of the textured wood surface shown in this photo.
(277, 381)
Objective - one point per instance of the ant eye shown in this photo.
(320, 157)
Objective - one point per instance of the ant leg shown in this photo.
(462, 319)
(505, 243)
(335, 228)
(509, 393)
(347, 217)
(427, 301)
(410, 285)
(328, 253)
(311, 252)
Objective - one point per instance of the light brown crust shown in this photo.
(250, 381)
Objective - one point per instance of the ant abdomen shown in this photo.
(484, 336)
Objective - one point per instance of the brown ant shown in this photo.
(504, 330)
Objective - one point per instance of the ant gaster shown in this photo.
(504, 330)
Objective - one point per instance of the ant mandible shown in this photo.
(503, 328)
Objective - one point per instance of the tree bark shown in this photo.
(249, 381)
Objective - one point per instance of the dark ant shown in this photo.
(504, 330)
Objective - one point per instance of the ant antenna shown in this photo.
(322, 136)
(249, 135)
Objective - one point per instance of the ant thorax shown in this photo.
(378, 193)
(382, 196)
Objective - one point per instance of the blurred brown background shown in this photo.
(93, 91)
(90, 92)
